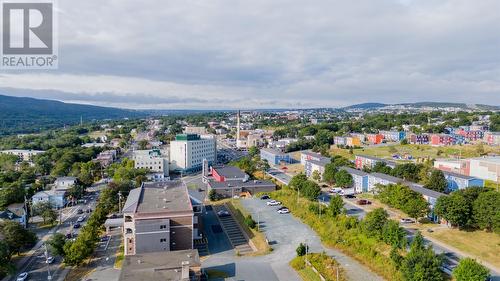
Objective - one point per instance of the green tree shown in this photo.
(16, 236)
(212, 195)
(421, 264)
(250, 222)
(374, 222)
(301, 250)
(6, 266)
(470, 270)
(297, 181)
(316, 175)
(310, 190)
(394, 235)
(437, 181)
(56, 243)
(343, 179)
(253, 151)
(329, 173)
(487, 211)
(143, 144)
(453, 208)
(336, 205)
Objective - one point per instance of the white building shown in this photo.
(187, 152)
(155, 160)
(65, 183)
(23, 154)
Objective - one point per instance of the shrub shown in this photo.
(301, 250)
(250, 222)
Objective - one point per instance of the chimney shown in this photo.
(237, 128)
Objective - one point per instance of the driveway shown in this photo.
(284, 233)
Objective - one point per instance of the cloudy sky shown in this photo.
(270, 54)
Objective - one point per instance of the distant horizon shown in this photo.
(241, 108)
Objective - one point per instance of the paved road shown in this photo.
(35, 263)
(284, 233)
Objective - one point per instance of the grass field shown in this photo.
(326, 265)
(419, 151)
(484, 245)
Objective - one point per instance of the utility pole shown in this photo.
(298, 195)
(49, 277)
(319, 213)
(119, 202)
(307, 251)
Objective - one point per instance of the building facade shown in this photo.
(187, 152)
(155, 160)
(159, 217)
(274, 157)
(458, 181)
(359, 178)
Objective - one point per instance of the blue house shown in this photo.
(274, 157)
(458, 181)
(359, 178)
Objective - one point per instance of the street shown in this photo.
(35, 264)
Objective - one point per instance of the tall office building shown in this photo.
(187, 152)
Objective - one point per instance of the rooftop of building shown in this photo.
(323, 161)
(273, 151)
(239, 184)
(310, 153)
(354, 171)
(386, 177)
(457, 175)
(424, 191)
(158, 265)
(230, 172)
(154, 197)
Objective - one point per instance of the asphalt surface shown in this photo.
(35, 264)
(284, 233)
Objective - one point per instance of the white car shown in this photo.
(80, 219)
(335, 190)
(407, 220)
(273, 203)
(283, 211)
(50, 260)
(23, 276)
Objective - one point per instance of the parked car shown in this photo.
(104, 238)
(80, 219)
(80, 211)
(273, 203)
(350, 196)
(265, 197)
(23, 276)
(407, 220)
(335, 190)
(88, 211)
(223, 213)
(50, 260)
(363, 202)
(76, 225)
(283, 211)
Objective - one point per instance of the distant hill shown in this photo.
(374, 106)
(365, 106)
(28, 115)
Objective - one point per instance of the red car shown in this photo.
(363, 202)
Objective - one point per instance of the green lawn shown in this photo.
(420, 151)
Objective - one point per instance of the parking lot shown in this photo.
(284, 232)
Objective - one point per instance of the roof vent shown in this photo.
(139, 261)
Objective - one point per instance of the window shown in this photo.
(163, 240)
(163, 226)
